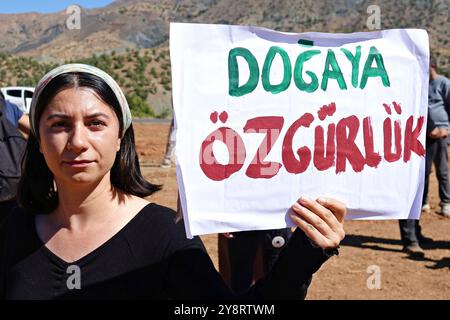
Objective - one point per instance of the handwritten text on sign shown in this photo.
(345, 118)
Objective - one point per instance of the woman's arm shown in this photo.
(192, 275)
(24, 125)
(320, 230)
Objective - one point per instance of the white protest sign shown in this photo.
(265, 117)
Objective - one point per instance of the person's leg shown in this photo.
(408, 231)
(242, 252)
(420, 237)
(431, 148)
(409, 237)
(170, 145)
(441, 163)
(409, 227)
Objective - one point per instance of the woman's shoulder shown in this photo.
(161, 221)
(150, 215)
(155, 227)
(17, 235)
(154, 213)
(19, 226)
(17, 218)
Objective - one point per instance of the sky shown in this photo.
(47, 6)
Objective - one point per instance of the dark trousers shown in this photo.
(410, 231)
(242, 250)
(436, 152)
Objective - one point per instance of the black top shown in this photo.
(149, 258)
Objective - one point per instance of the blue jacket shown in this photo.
(12, 113)
(438, 103)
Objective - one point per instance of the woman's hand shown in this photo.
(322, 220)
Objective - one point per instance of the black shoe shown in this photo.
(413, 249)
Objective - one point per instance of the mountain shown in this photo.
(129, 38)
(121, 25)
(138, 24)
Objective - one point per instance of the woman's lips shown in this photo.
(78, 163)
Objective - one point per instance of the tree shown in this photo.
(139, 107)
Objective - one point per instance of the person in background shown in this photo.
(437, 153)
(19, 119)
(10, 163)
(170, 147)
(437, 138)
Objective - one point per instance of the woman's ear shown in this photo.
(118, 144)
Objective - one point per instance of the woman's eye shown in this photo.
(60, 124)
(96, 123)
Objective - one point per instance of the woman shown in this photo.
(85, 230)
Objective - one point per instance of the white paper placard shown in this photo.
(264, 117)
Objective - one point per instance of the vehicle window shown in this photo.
(28, 94)
(14, 93)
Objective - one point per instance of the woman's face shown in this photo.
(79, 136)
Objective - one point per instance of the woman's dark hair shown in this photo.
(36, 192)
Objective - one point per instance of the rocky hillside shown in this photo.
(143, 74)
(127, 33)
(145, 24)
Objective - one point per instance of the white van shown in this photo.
(20, 96)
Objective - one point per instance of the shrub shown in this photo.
(139, 107)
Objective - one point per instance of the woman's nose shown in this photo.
(78, 140)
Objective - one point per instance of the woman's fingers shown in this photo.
(338, 208)
(313, 234)
(321, 220)
(309, 214)
(323, 212)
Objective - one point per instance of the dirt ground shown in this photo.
(368, 246)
